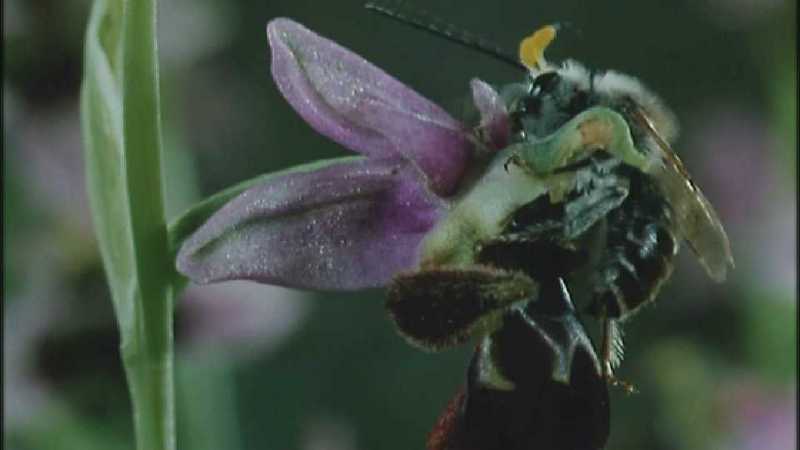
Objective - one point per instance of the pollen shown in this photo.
(531, 49)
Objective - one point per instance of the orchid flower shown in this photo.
(408, 214)
(347, 223)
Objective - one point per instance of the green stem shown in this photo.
(152, 390)
(148, 358)
(122, 145)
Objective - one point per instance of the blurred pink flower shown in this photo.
(732, 150)
(237, 319)
(734, 153)
(755, 417)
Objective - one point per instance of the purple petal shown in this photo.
(362, 108)
(494, 116)
(350, 225)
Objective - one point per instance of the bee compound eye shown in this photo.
(545, 83)
(531, 104)
(516, 120)
(578, 102)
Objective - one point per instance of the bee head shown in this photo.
(548, 99)
(553, 94)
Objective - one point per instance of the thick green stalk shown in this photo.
(149, 362)
(121, 127)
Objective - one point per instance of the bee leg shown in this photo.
(611, 354)
(607, 348)
(514, 159)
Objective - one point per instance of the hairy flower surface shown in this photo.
(347, 223)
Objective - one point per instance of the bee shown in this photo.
(587, 194)
(631, 192)
(607, 204)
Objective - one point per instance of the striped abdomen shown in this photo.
(640, 247)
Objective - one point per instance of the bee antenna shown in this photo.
(567, 25)
(425, 21)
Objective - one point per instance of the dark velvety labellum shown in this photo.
(539, 412)
(441, 307)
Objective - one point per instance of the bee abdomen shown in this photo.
(638, 261)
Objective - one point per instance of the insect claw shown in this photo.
(627, 387)
(616, 382)
(513, 159)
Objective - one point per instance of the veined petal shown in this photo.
(348, 225)
(356, 104)
(494, 116)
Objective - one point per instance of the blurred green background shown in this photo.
(268, 368)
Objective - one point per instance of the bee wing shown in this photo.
(696, 219)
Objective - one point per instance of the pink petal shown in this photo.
(349, 225)
(351, 101)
